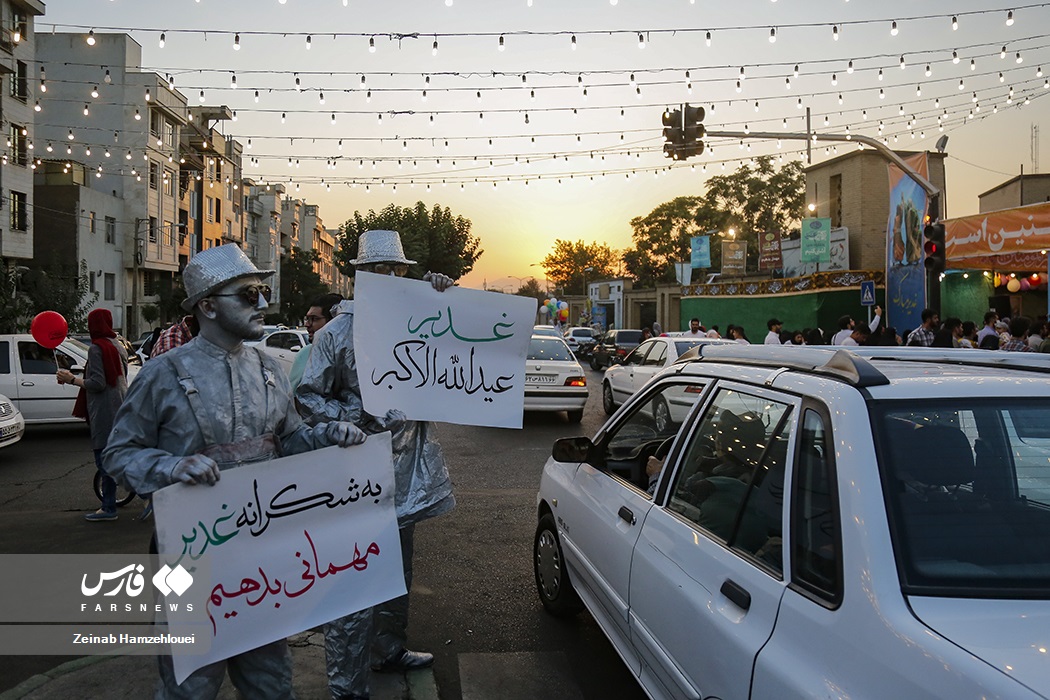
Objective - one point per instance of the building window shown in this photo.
(210, 208)
(109, 286)
(195, 207)
(169, 132)
(20, 82)
(16, 137)
(19, 222)
(836, 201)
(209, 171)
(169, 182)
(153, 229)
(156, 123)
(169, 233)
(229, 231)
(91, 282)
(154, 175)
(111, 230)
(91, 222)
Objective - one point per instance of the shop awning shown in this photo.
(1009, 239)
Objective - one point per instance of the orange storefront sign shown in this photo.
(1009, 239)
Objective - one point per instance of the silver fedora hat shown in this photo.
(210, 269)
(380, 246)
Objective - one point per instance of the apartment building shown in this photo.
(124, 125)
(262, 229)
(18, 94)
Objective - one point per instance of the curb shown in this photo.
(32, 683)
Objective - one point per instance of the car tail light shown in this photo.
(621, 351)
(694, 390)
(576, 381)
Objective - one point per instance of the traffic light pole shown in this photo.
(933, 284)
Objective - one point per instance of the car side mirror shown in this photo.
(574, 449)
(296, 348)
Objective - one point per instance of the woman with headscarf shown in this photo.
(102, 390)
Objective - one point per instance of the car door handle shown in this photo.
(28, 384)
(736, 594)
(626, 514)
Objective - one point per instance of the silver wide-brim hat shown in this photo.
(210, 269)
(380, 246)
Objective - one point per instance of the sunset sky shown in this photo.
(610, 166)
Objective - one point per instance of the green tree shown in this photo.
(14, 304)
(661, 238)
(532, 288)
(300, 285)
(170, 301)
(436, 239)
(61, 288)
(567, 265)
(760, 199)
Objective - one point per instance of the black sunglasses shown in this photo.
(251, 294)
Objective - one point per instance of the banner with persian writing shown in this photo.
(291, 544)
(769, 253)
(734, 257)
(1009, 239)
(456, 356)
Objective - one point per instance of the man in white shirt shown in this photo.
(847, 324)
(694, 329)
(773, 336)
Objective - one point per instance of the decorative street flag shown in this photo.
(734, 257)
(700, 251)
(816, 241)
(769, 256)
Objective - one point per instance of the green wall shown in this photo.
(966, 299)
(797, 311)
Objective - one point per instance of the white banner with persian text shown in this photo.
(456, 356)
(291, 544)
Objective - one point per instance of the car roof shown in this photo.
(874, 367)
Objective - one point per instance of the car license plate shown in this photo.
(9, 430)
(540, 378)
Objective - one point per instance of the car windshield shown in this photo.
(683, 345)
(967, 485)
(79, 345)
(629, 337)
(549, 349)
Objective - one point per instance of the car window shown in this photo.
(817, 544)
(730, 481)
(549, 349)
(33, 358)
(284, 341)
(648, 430)
(967, 485)
(637, 356)
(657, 355)
(629, 337)
(5, 357)
(683, 346)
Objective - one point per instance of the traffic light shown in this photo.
(933, 248)
(683, 131)
(674, 134)
(692, 124)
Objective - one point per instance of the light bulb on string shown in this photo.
(955, 24)
(1018, 58)
(572, 42)
(86, 112)
(502, 43)
(1010, 18)
(371, 44)
(973, 64)
(108, 78)
(36, 107)
(707, 38)
(309, 42)
(94, 92)
(773, 35)
(902, 62)
(835, 32)
(233, 81)
(160, 43)
(955, 57)
(928, 70)
(257, 97)
(434, 48)
(1002, 52)
(880, 74)
(91, 38)
(893, 28)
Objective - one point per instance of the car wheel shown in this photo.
(123, 496)
(575, 416)
(552, 579)
(594, 363)
(662, 416)
(607, 399)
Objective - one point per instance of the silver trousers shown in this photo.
(260, 674)
(373, 635)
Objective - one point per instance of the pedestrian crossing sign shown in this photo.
(867, 293)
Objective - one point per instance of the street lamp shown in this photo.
(587, 294)
(546, 280)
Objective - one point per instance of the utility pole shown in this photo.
(133, 322)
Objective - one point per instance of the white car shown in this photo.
(283, 345)
(554, 380)
(12, 425)
(621, 381)
(863, 523)
(546, 330)
(581, 339)
(27, 377)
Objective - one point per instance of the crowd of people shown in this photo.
(1018, 334)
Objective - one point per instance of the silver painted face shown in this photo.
(235, 314)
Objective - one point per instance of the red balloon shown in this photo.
(49, 329)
